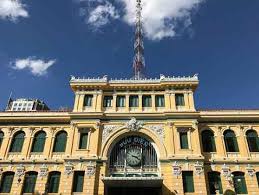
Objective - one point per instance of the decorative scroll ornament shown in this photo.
(43, 170)
(158, 129)
(198, 168)
(20, 170)
(90, 169)
(107, 130)
(250, 170)
(176, 169)
(69, 168)
(134, 125)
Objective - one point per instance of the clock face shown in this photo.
(133, 156)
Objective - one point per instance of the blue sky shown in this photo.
(218, 39)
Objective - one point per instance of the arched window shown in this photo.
(230, 141)
(60, 142)
(1, 138)
(29, 182)
(252, 140)
(239, 183)
(17, 142)
(6, 182)
(53, 182)
(208, 141)
(38, 142)
(215, 182)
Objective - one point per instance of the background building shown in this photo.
(23, 104)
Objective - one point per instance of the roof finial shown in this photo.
(139, 61)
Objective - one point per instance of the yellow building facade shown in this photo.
(135, 136)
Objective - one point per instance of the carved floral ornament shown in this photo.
(132, 125)
(43, 170)
(90, 169)
(198, 168)
(20, 170)
(69, 168)
(176, 169)
(250, 170)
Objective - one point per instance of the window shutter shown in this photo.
(29, 182)
(83, 140)
(240, 183)
(53, 183)
(184, 140)
(188, 184)
(214, 179)
(39, 142)
(17, 142)
(6, 182)
(78, 182)
(60, 142)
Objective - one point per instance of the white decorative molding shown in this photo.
(43, 170)
(176, 169)
(105, 79)
(134, 125)
(250, 170)
(20, 170)
(90, 169)
(69, 168)
(157, 129)
(198, 168)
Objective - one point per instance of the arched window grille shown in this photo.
(215, 184)
(208, 141)
(29, 182)
(60, 142)
(1, 138)
(6, 182)
(230, 141)
(39, 142)
(17, 142)
(133, 154)
(239, 183)
(252, 140)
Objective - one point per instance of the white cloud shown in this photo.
(37, 67)
(12, 9)
(102, 14)
(161, 18)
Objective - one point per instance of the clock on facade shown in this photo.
(133, 156)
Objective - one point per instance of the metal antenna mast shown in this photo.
(139, 61)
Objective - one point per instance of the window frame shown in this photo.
(17, 149)
(118, 98)
(31, 186)
(85, 103)
(76, 182)
(230, 147)
(132, 103)
(35, 141)
(3, 186)
(149, 98)
(108, 99)
(181, 102)
(53, 174)
(252, 140)
(54, 150)
(186, 188)
(208, 143)
(157, 101)
(84, 130)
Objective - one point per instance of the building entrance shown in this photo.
(133, 191)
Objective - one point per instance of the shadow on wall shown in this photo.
(166, 191)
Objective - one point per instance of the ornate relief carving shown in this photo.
(250, 170)
(134, 125)
(69, 168)
(198, 168)
(20, 170)
(43, 170)
(176, 169)
(107, 130)
(158, 129)
(90, 169)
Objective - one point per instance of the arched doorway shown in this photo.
(133, 167)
